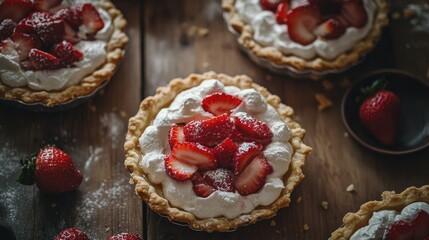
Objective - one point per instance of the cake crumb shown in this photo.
(346, 134)
(409, 13)
(350, 188)
(203, 32)
(396, 15)
(306, 227)
(344, 82)
(299, 199)
(123, 114)
(324, 102)
(273, 223)
(324, 205)
(327, 84)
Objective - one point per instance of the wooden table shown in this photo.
(93, 134)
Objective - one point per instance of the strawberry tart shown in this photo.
(215, 152)
(306, 36)
(398, 216)
(54, 51)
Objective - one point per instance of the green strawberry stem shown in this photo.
(370, 90)
(27, 170)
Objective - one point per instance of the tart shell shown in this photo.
(90, 83)
(318, 66)
(390, 201)
(152, 193)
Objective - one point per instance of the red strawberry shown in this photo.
(15, 9)
(200, 187)
(186, 158)
(224, 152)
(41, 60)
(43, 5)
(24, 43)
(270, 5)
(67, 53)
(220, 103)
(71, 234)
(125, 236)
(91, 19)
(400, 230)
(71, 15)
(253, 177)
(210, 131)
(252, 129)
(70, 34)
(206, 183)
(246, 152)
(302, 21)
(7, 27)
(50, 31)
(421, 225)
(354, 13)
(28, 24)
(52, 170)
(330, 29)
(175, 135)
(379, 113)
(282, 12)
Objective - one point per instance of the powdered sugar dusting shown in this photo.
(421, 22)
(114, 125)
(95, 154)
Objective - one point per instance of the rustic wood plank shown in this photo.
(93, 134)
(337, 160)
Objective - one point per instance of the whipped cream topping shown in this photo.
(381, 221)
(268, 32)
(187, 107)
(94, 55)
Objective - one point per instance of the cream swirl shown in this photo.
(186, 107)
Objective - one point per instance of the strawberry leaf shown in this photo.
(28, 164)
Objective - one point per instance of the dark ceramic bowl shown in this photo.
(413, 92)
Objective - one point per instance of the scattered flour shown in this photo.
(115, 127)
(95, 154)
(421, 22)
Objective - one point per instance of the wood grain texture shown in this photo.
(337, 160)
(93, 134)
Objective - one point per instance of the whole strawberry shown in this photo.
(52, 170)
(71, 234)
(125, 236)
(379, 113)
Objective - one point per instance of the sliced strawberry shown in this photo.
(400, 230)
(41, 60)
(71, 15)
(354, 13)
(252, 129)
(43, 5)
(200, 186)
(253, 177)
(67, 53)
(421, 225)
(175, 135)
(29, 24)
(246, 152)
(50, 31)
(7, 27)
(302, 21)
(70, 34)
(330, 29)
(24, 43)
(270, 5)
(194, 154)
(178, 169)
(209, 132)
(224, 152)
(15, 9)
(282, 12)
(91, 19)
(220, 103)
(7, 47)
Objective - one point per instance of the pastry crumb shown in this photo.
(324, 205)
(409, 13)
(344, 82)
(306, 227)
(324, 102)
(203, 32)
(192, 31)
(123, 114)
(273, 223)
(107, 229)
(206, 65)
(299, 199)
(346, 134)
(396, 15)
(327, 84)
(92, 108)
(350, 188)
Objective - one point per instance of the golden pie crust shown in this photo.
(318, 64)
(153, 194)
(390, 201)
(115, 53)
